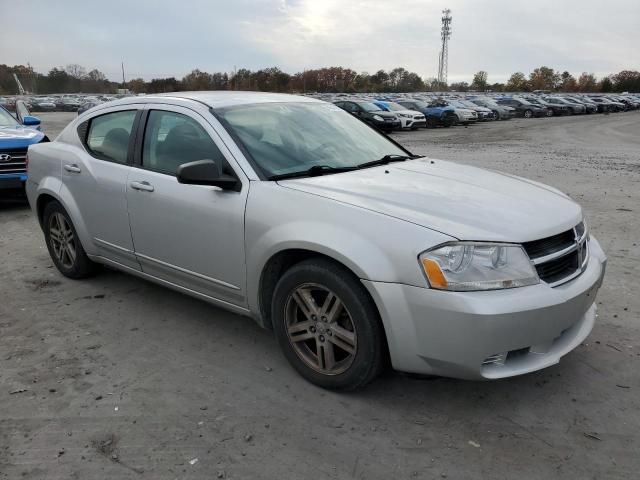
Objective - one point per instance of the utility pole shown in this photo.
(443, 63)
(124, 83)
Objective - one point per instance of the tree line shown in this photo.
(76, 79)
(545, 78)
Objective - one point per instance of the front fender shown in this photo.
(373, 246)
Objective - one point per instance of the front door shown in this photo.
(189, 235)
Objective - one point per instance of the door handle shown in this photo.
(144, 186)
(73, 168)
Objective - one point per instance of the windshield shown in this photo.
(293, 137)
(394, 107)
(487, 102)
(417, 103)
(457, 103)
(467, 103)
(6, 120)
(369, 107)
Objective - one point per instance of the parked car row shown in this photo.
(391, 112)
(56, 103)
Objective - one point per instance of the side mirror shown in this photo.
(206, 172)
(30, 121)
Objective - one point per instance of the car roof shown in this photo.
(220, 99)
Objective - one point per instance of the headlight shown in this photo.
(468, 266)
(378, 118)
(404, 115)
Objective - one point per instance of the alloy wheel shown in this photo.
(320, 329)
(62, 240)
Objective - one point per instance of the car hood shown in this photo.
(18, 136)
(383, 114)
(409, 112)
(464, 202)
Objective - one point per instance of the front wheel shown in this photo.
(63, 243)
(528, 114)
(327, 326)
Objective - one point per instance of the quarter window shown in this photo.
(109, 134)
(172, 139)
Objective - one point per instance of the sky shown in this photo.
(163, 38)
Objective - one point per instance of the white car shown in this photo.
(351, 249)
(410, 119)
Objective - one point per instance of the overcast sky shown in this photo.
(158, 38)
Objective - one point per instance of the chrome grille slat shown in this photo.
(17, 163)
(562, 257)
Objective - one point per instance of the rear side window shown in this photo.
(172, 139)
(108, 136)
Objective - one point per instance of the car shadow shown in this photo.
(13, 200)
(392, 389)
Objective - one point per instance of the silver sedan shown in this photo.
(352, 250)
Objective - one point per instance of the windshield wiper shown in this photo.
(314, 171)
(388, 159)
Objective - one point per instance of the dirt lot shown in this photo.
(118, 378)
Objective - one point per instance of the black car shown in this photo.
(606, 105)
(523, 107)
(552, 108)
(590, 106)
(574, 108)
(370, 113)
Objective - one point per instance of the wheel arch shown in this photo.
(278, 263)
(46, 195)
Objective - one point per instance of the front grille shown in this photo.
(560, 257)
(557, 269)
(16, 163)
(549, 245)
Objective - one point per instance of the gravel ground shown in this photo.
(115, 377)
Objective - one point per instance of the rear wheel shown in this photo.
(327, 326)
(63, 243)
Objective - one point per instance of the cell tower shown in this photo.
(444, 53)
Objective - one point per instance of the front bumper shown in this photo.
(12, 181)
(488, 335)
(413, 122)
(387, 125)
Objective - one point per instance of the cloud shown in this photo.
(169, 38)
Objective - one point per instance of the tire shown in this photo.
(352, 343)
(449, 120)
(549, 112)
(63, 243)
(496, 115)
(528, 114)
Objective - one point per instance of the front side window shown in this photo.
(108, 136)
(172, 139)
(294, 137)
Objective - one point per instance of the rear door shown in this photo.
(189, 235)
(95, 181)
